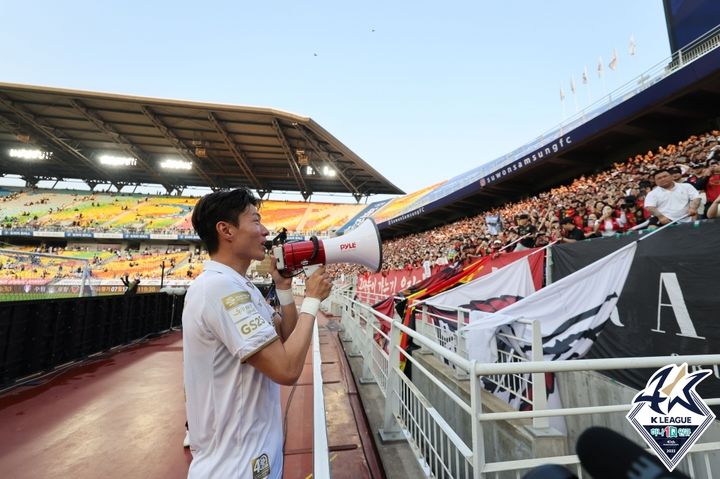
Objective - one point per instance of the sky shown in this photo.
(422, 91)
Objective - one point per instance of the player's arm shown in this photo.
(283, 361)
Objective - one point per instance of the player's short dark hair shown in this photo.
(660, 170)
(220, 206)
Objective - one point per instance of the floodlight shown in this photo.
(112, 160)
(29, 154)
(176, 164)
(327, 171)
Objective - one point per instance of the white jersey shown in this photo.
(233, 410)
(672, 203)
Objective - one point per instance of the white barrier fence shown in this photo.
(321, 454)
(441, 452)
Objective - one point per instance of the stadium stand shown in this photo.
(107, 212)
(617, 192)
(605, 204)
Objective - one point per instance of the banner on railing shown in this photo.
(670, 302)
(491, 292)
(448, 278)
(373, 287)
(571, 312)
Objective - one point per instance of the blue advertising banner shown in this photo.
(17, 232)
(136, 236)
(360, 217)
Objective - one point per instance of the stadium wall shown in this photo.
(38, 336)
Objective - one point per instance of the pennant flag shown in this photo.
(613, 61)
(572, 84)
(571, 312)
(585, 76)
(600, 67)
(632, 46)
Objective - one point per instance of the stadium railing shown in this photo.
(410, 415)
(321, 452)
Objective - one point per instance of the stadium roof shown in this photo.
(228, 146)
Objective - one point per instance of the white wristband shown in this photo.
(285, 296)
(310, 306)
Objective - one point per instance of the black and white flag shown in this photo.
(571, 312)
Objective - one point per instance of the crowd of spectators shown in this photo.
(607, 203)
(109, 262)
(604, 204)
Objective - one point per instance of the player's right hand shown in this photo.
(318, 285)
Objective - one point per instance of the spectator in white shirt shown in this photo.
(670, 201)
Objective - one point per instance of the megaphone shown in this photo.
(361, 246)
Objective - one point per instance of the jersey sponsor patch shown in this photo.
(242, 311)
(250, 325)
(260, 466)
(235, 299)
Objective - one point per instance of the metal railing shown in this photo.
(321, 455)
(517, 386)
(441, 451)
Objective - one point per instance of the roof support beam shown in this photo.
(117, 138)
(179, 145)
(237, 154)
(292, 161)
(357, 194)
(49, 132)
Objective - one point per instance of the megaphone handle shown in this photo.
(310, 269)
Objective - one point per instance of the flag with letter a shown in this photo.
(571, 312)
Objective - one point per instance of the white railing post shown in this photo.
(366, 350)
(425, 326)
(538, 379)
(321, 461)
(459, 373)
(345, 320)
(390, 431)
(478, 442)
(355, 333)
